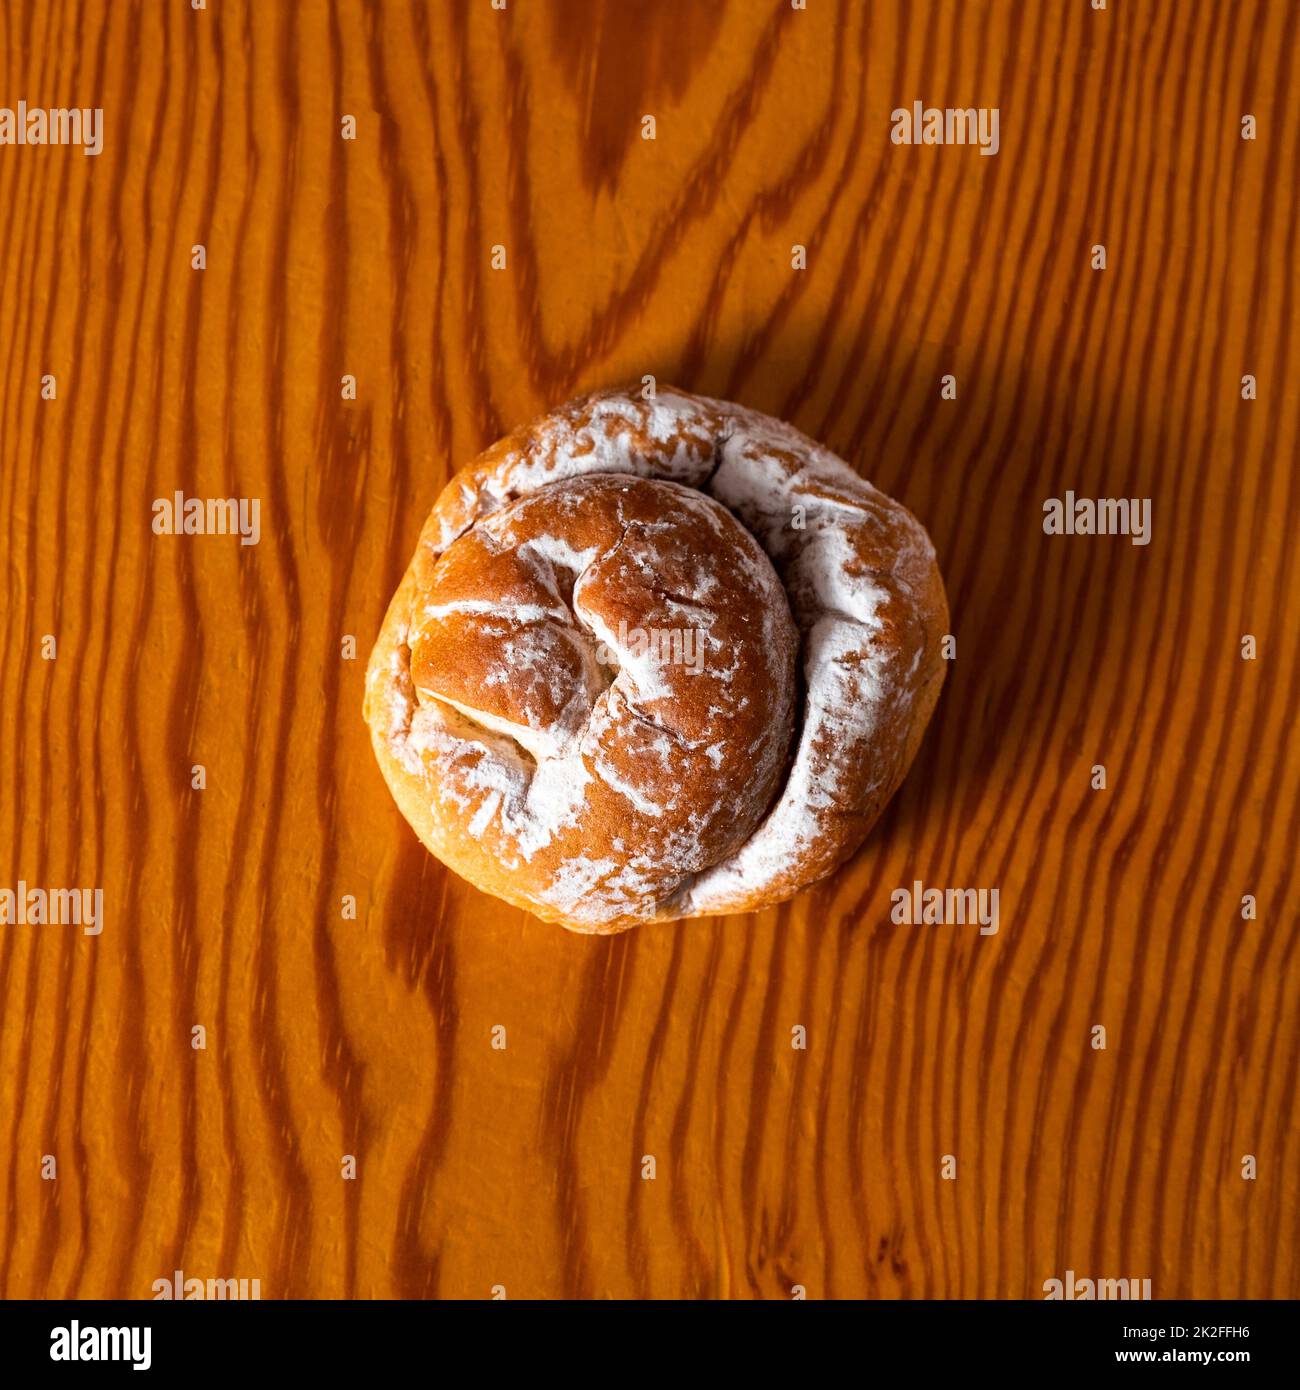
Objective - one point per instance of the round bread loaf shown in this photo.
(655, 659)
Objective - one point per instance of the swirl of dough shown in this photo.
(655, 659)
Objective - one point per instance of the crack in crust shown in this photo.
(601, 801)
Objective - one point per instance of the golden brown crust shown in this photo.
(598, 778)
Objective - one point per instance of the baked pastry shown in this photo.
(655, 659)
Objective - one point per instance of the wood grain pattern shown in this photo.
(328, 1037)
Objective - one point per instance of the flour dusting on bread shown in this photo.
(655, 659)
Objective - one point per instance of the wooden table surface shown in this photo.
(127, 1153)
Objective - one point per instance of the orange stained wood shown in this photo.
(127, 375)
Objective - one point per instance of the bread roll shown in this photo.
(655, 659)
